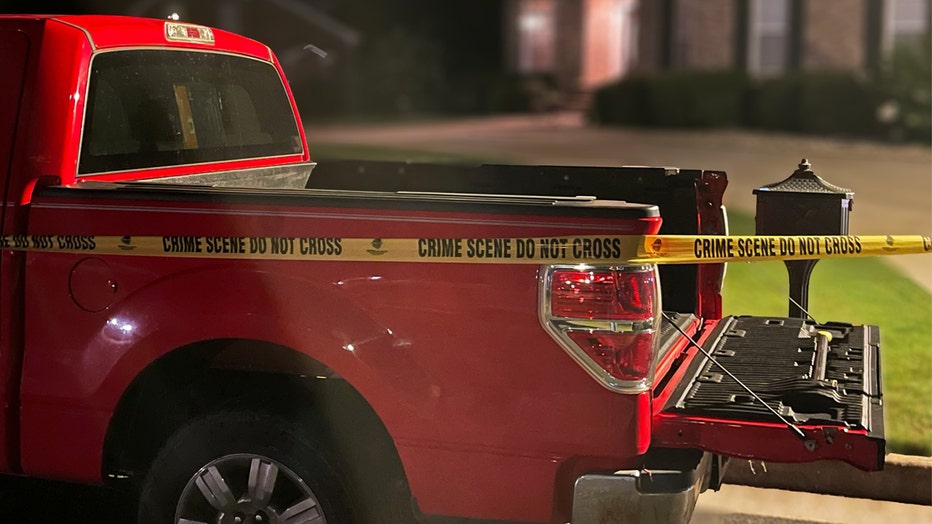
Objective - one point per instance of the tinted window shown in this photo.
(152, 108)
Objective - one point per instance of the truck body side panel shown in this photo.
(452, 358)
(16, 43)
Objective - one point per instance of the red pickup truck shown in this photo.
(229, 390)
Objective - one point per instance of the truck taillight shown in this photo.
(605, 318)
(625, 356)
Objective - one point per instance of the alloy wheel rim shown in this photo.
(246, 488)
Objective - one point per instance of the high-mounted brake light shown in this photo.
(178, 32)
(605, 318)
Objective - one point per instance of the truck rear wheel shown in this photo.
(242, 468)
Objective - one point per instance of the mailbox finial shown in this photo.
(804, 165)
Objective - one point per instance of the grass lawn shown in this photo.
(865, 291)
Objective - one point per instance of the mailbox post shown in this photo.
(802, 204)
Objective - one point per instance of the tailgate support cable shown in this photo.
(792, 427)
(801, 308)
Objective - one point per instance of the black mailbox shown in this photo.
(803, 204)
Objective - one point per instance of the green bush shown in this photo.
(772, 105)
(621, 103)
(680, 99)
(906, 111)
(832, 103)
(698, 99)
(897, 105)
(839, 103)
(483, 93)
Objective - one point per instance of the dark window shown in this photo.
(153, 108)
(769, 34)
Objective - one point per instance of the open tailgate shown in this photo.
(822, 378)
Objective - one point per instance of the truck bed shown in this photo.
(676, 192)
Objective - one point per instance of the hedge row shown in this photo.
(833, 103)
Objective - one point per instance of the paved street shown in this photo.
(892, 183)
(31, 501)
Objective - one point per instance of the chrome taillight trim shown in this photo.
(558, 327)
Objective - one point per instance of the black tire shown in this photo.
(222, 450)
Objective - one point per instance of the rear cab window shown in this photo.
(151, 108)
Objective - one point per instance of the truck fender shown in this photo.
(194, 307)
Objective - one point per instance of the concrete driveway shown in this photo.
(892, 183)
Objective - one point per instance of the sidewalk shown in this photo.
(745, 505)
(904, 479)
(892, 183)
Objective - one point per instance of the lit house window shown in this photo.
(768, 36)
(536, 40)
(906, 21)
(609, 40)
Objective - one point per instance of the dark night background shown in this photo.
(390, 57)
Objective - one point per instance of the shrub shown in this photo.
(838, 103)
(898, 104)
(772, 104)
(480, 93)
(906, 111)
(621, 103)
(698, 99)
(681, 99)
(834, 103)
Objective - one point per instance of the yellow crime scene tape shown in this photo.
(610, 249)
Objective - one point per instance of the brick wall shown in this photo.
(650, 36)
(703, 34)
(833, 34)
(569, 44)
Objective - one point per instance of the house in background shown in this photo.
(772, 37)
(426, 49)
(580, 43)
(587, 43)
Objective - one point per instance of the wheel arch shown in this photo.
(216, 375)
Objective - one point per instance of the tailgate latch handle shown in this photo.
(822, 339)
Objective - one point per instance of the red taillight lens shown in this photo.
(602, 294)
(625, 356)
(606, 319)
